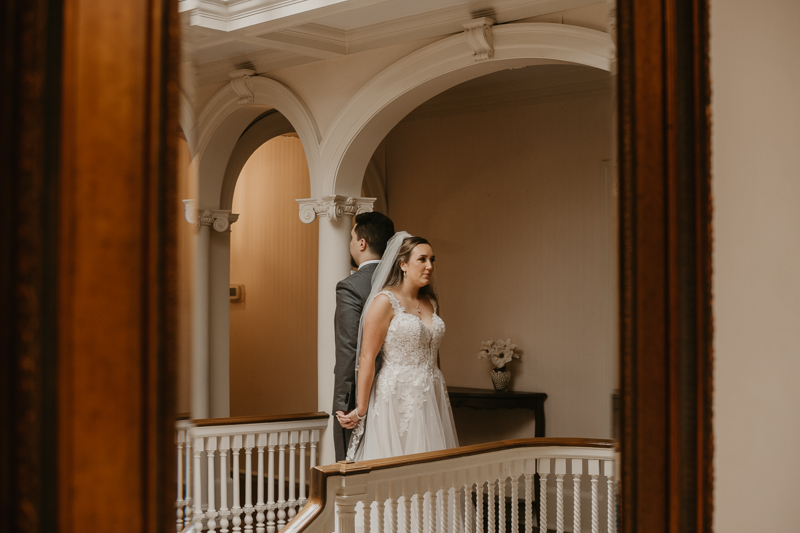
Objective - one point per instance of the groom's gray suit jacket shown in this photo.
(351, 295)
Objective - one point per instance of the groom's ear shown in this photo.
(362, 245)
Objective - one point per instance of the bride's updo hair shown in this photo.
(404, 255)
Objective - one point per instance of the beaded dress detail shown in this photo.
(409, 410)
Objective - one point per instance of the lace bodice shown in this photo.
(409, 341)
(409, 411)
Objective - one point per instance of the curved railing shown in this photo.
(464, 490)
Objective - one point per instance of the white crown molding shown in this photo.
(266, 15)
(334, 207)
(478, 34)
(220, 220)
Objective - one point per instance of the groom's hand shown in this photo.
(347, 420)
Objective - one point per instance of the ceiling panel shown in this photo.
(384, 12)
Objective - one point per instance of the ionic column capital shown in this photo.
(334, 207)
(220, 219)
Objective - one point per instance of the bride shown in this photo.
(405, 408)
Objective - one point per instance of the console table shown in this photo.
(489, 399)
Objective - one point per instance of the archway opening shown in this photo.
(273, 273)
(508, 175)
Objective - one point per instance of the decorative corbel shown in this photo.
(478, 34)
(242, 84)
(333, 207)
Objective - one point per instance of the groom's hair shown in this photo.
(375, 228)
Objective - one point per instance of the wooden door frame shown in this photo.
(665, 258)
(88, 121)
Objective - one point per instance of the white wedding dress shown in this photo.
(409, 410)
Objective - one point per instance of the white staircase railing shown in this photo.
(474, 489)
(216, 460)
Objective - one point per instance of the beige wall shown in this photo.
(517, 207)
(755, 72)
(273, 344)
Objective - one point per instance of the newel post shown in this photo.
(347, 497)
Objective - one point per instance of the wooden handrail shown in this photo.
(233, 420)
(320, 474)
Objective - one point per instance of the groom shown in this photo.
(368, 240)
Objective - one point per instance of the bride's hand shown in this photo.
(347, 420)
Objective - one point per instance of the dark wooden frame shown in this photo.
(88, 126)
(87, 122)
(665, 258)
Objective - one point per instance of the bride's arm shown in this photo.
(375, 326)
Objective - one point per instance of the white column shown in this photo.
(335, 221)
(210, 330)
(219, 311)
(200, 382)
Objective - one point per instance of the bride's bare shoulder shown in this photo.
(381, 309)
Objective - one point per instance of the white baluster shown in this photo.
(515, 503)
(501, 504)
(198, 485)
(301, 500)
(443, 509)
(544, 471)
(249, 444)
(594, 472)
(314, 441)
(180, 435)
(224, 513)
(292, 503)
(273, 440)
(433, 505)
(394, 493)
(453, 491)
(529, 497)
(211, 513)
(491, 514)
(420, 505)
(260, 506)
(479, 524)
(561, 471)
(408, 492)
(577, 472)
(187, 515)
(236, 508)
(367, 511)
(608, 471)
(283, 440)
(468, 510)
(381, 506)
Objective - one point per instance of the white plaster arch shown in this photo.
(260, 132)
(224, 119)
(388, 97)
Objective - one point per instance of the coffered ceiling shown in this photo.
(222, 35)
